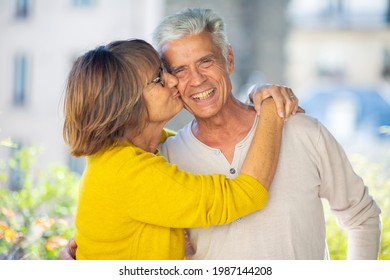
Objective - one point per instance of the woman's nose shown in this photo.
(170, 80)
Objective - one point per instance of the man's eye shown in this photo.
(179, 72)
(206, 62)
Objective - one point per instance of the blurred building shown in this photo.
(339, 64)
(338, 40)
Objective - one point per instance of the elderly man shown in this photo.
(312, 165)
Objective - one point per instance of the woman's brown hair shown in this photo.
(103, 101)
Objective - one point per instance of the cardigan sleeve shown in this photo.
(166, 133)
(349, 199)
(157, 192)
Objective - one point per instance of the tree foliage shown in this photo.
(36, 217)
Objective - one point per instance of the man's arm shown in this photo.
(349, 200)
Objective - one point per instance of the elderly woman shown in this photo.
(133, 204)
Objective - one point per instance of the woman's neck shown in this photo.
(149, 138)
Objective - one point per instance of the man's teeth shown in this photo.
(203, 95)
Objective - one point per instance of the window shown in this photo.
(330, 64)
(386, 64)
(83, 3)
(15, 172)
(387, 18)
(335, 7)
(339, 12)
(20, 80)
(22, 9)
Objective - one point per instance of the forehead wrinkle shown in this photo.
(183, 52)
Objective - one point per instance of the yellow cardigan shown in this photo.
(134, 205)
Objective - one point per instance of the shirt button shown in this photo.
(232, 171)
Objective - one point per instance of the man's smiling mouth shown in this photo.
(203, 95)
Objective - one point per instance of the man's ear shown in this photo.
(230, 60)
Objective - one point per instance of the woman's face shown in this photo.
(162, 97)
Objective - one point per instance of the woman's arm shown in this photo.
(166, 133)
(262, 158)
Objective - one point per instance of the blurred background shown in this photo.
(334, 54)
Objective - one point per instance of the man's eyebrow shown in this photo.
(176, 68)
(209, 56)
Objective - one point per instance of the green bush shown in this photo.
(36, 217)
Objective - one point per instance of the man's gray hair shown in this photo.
(191, 21)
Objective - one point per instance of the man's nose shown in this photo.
(196, 77)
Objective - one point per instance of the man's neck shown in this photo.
(226, 129)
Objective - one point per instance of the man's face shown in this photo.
(203, 73)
